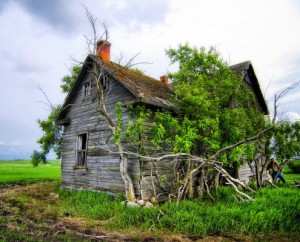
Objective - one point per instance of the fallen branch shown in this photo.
(238, 191)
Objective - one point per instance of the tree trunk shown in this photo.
(257, 174)
(129, 189)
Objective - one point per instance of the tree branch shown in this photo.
(245, 141)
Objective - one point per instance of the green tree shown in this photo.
(51, 138)
(286, 140)
(217, 109)
(68, 80)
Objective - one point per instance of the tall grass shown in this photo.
(22, 171)
(274, 211)
(96, 205)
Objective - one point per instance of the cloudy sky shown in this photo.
(38, 40)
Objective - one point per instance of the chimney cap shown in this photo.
(103, 42)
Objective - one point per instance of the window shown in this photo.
(87, 89)
(104, 83)
(81, 150)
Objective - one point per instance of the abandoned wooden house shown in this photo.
(86, 162)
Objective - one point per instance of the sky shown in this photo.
(39, 41)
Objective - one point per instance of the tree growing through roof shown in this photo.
(51, 138)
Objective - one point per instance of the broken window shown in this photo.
(81, 149)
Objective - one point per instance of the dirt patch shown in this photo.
(28, 212)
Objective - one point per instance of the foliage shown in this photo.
(294, 166)
(215, 108)
(218, 109)
(133, 130)
(119, 123)
(52, 135)
(51, 138)
(22, 171)
(286, 140)
(69, 80)
(38, 157)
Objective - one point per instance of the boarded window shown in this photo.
(81, 149)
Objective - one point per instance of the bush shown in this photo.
(295, 166)
(37, 158)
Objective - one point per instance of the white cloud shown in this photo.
(292, 116)
(35, 53)
(12, 143)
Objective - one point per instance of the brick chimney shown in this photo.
(164, 79)
(103, 50)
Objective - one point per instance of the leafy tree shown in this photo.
(38, 157)
(51, 138)
(217, 109)
(68, 80)
(283, 142)
(214, 111)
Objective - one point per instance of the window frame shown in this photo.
(104, 83)
(87, 89)
(81, 161)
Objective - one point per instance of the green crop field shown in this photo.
(20, 171)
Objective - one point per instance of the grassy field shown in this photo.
(289, 176)
(46, 209)
(20, 171)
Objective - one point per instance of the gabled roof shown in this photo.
(241, 68)
(246, 69)
(149, 90)
(146, 89)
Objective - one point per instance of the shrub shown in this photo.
(37, 158)
(295, 166)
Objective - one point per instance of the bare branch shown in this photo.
(92, 21)
(226, 175)
(48, 103)
(238, 191)
(288, 89)
(280, 96)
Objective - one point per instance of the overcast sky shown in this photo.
(38, 39)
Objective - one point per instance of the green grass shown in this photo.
(289, 176)
(275, 212)
(21, 171)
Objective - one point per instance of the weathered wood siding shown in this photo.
(245, 172)
(102, 171)
(158, 174)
